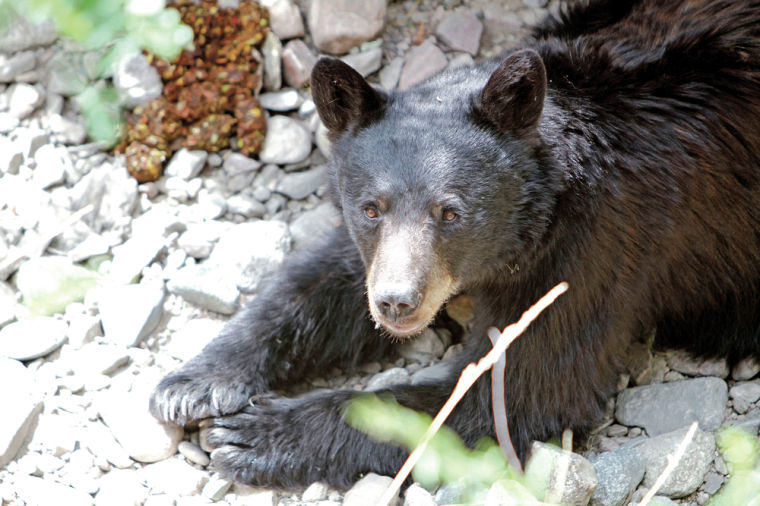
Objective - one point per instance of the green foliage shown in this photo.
(741, 452)
(446, 459)
(118, 29)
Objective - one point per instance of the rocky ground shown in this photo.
(167, 262)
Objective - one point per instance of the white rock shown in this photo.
(7, 124)
(249, 251)
(281, 101)
(206, 287)
(314, 492)
(32, 338)
(7, 304)
(67, 131)
(387, 378)
(25, 402)
(186, 164)
(130, 313)
(189, 340)
(559, 476)
(23, 100)
(52, 165)
(366, 62)
(248, 496)
(415, 495)
(175, 477)
(37, 491)
(101, 443)
(368, 490)
(422, 348)
(143, 437)
(193, 453)
(130, 258)
(286, 141)
(285, 18)
(136, 80)
(272, 51)
(83, 329)
(120, 488)
(745, 369)
(216, 488)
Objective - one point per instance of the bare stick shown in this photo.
(469, 375)
(672, 461)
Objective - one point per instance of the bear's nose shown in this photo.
(395, 305)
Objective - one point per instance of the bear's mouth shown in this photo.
(405, 329)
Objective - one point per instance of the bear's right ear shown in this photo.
(342, 96)
(513, 98)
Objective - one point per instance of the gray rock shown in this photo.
(422, 348)
(186, 164)
(136, 80)
(43, 491)
(280, 101)
(191, 338)
(130, 313)
(216, 488)
(297, 62)
(248, 252)
(665, 407)
(235, 163)
(23, 99)
(29, 140)
(619, 473)
(368, 490)
(314, 224)
(299, 185)
(193, 453)
(422, 62)
(432, 374)
(691, 468)
(13, 65)
(22, 35)
(11, 156)
(685, 363)
(558, 476)
(23, 405)
(387, 378)
(245, 205)
(744, 394)
(314, 492)
(750, 422)
(204, 287)
(391, 73)
(174, 477)
(133, 256)
(285, 18)
(52, 165)
(460, 60)
(338, 25)
(32, 338)
(365, 62)
(67, 74)
(460, 30)
(66, 130)
(272, 53)
(286, 141)
(745, 369)
(713, 482)
(120, 488)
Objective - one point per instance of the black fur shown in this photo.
(635, 177)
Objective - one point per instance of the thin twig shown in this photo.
(672, 461)
(469, 375)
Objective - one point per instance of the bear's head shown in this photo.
(441, 186)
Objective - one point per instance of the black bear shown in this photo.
(617, 150)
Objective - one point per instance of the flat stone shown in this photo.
(204, 287)
(664, 407)
(387, 378)
(174, 477)
(745, 369)
(52, 164)
(16, 64)
(685, 363)
(23, 99)
(365, 62)
(422, 62)
(186, 164)
(133, 256)
(422, 348)
(250, 251)
(691, 468)
(192, 337)
(286, 142)
(368, 490)
(315, 492)
(271, 50)
(744, 394)
(391, 73)
(66, 130)
(23, 405)
(299, 185)
(558, 476)
(7, 304)
(247, 206)
(129, 313)
(32, 338)
(285, 18)
(460, 30)
(313, 224)
(143, 437)
(415, 495)
(338, 25)
(619, 472)
(297, 62)
(29, 140)
(42, 491)
(193, 453)
(136, 80)
(120, 488)
(281, 101)
(237, 163)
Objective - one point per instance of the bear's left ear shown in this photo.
(342, 96)
(513, 98)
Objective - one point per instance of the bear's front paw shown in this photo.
(182, 397)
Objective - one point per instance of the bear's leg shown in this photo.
(309, 317)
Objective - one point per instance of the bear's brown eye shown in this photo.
(449, 215)
(370, 212)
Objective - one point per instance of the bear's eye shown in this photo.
(371, 212)
(449, 215)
